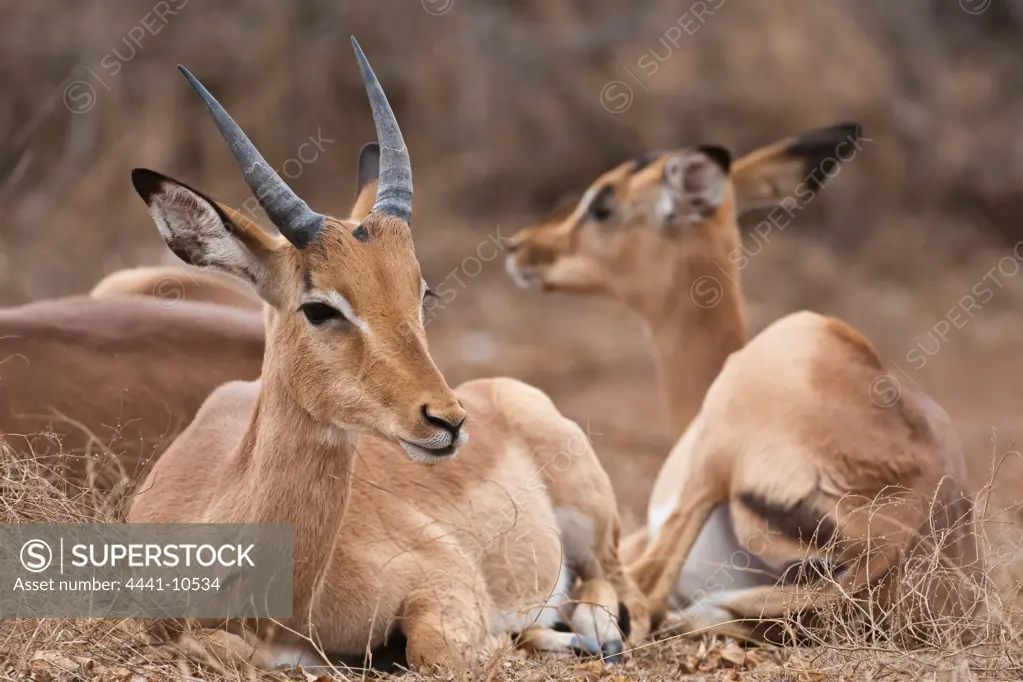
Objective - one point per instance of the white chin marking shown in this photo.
(525, 279)
(420, 454)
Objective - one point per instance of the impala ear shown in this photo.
(695, 184)
(205, 234)
(368, 177)
(369, 165)
(794, 168)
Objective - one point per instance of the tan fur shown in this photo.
(446, 551)
(576, 254)
(790, 417)
(127, 371)
(683, 279)
(364, 201)
(176, 283)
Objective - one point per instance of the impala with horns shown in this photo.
(517, 535)
(784, 457)
(95, 389)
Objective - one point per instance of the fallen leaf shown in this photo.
(115, 672)
(55, 659)
(588, 672)
(734, 654)
(87, 664)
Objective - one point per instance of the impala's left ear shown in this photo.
(795, 167)
(368, 176)
(694, 185)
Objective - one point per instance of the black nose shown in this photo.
(450, 427)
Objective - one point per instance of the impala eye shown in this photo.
(428, 294)
(320, 313)
(602, 205)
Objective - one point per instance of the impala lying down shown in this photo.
(787, 458)
(176, 283)
(117, 378)
(349, 434)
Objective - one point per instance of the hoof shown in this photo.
(585, 647)
(612, 651)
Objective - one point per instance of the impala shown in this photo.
(784, 457)
(453, 555)
(175, 283)
(120, 377)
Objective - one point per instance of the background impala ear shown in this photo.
(369, 165)
(694, 185)
(202, 233)
(368, 180)
(799, 165)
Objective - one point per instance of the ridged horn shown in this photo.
(296, 221)
(394, 191)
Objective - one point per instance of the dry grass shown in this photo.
(900, 238)
(844, 644)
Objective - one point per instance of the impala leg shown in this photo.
(632, 545)
(542, 639)
(597, 616)
(657, 569)
(632, 614)
(725, 614)
(232, 652)
(445, 621)
(590, 529)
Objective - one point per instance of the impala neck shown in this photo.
(692, 346)
(696, 320)
(296, 470)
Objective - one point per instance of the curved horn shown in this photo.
(296, 221)
(394, 192)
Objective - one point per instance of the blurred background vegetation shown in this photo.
(504, 105)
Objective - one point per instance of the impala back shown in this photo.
(97, 388)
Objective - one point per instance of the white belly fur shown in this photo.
(718, 562)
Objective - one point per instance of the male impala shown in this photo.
(176, 283)
(449, 553)
(780, 459)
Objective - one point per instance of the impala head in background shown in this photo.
(666, 206)
(345, 332)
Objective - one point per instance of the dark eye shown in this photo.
(319, 313)
(428, 294)
(602, 205)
